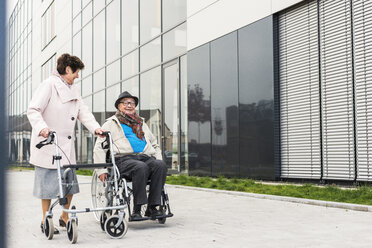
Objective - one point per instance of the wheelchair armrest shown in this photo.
(88, 166)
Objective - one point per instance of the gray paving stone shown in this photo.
(202, 219)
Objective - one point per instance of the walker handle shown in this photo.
(47, 141)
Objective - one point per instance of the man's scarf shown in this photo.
(133, 121)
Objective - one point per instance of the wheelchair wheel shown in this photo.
(112, 231)
(72, 231)
(99, 199)
(162, 220)
(48, 227)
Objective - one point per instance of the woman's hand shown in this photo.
(44, 132)
(99, 132)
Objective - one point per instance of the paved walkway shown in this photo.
(202, 219)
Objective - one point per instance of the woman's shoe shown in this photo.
(62, 223)
(56, 231)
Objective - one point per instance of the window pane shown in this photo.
(224, 100)
(76, 7)
(98, 6)
(150, 54)
(150, 15)
(113, 73)
(99, 106)
(184, 136)
(99, 41)
(76, 26)
(150, 100)
(174, 42)
(87, 49)
(130, 64)
(87, 14)
(86, 86)
(174, 12)
(129, 15)
(76, 45)
(113, 31)
(99, 80)
(131, 85)
(111, 95)
(199, 110)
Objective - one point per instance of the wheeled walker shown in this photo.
(115, 225)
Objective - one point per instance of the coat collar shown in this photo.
(65, 93)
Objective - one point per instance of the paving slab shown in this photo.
(202, 219)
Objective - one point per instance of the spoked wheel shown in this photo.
(112, 231)
(72, 231)
(48, 227)
(99, 199)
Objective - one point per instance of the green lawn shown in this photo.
(358, 195)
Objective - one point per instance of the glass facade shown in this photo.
(231, 104)
(126, 45)
(19, 81)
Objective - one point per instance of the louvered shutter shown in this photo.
(363, 86)
(337, 89)
(299, 92)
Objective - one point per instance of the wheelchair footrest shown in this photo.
(151, 218)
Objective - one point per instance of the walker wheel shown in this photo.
(72, 232)
(49, 227)
(112, 231)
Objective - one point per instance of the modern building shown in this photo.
(271, 89)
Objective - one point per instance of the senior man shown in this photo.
(137, 155)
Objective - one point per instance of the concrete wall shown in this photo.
(210, 19)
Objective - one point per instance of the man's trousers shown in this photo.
(139, 169)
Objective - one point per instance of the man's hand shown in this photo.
(103, 178)
(99, 132)
(44, 132)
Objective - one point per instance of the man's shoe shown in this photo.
(153, 212)
(136, 216)
(62, 223)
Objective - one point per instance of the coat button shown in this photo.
(69, 137)
(72, 118)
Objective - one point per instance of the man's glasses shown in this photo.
(126, 103)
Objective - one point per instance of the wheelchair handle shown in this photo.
(47, 141)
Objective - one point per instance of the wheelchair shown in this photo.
(103, 194)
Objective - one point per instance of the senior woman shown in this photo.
(56, 105)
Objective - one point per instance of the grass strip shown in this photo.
(359, 195)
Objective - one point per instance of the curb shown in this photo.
(349, 206)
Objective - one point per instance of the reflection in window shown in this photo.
(129, 24)
(174, 12)
(174, 42)
(48, 25)
(150, 100)
(113, 31)
(150, 54)
(48, 67)
(150, 19)
(184, 138)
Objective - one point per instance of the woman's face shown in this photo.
(70, 75)
(127, 106)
